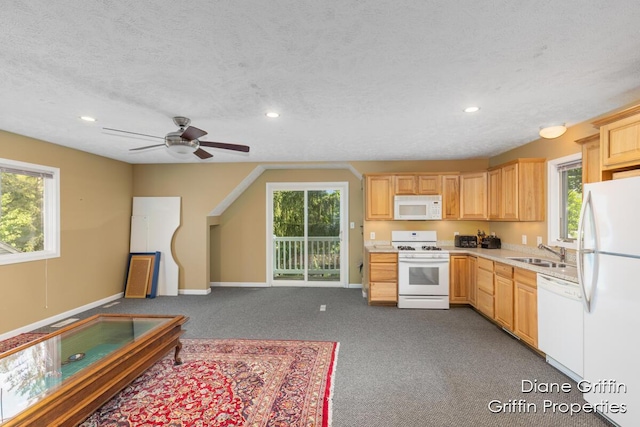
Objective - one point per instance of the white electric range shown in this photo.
(423, 270)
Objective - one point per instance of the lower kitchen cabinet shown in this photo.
(485, 287)
(473, 285)
(382, 276)
(526, 306)
(459, 279)
(504, 295)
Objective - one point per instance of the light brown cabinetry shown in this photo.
(485, 287)
(459, 279)
(590, 158)
(473, 285)
(526, 306)
(383, 278)
(407, 184)
(517, 190)
(473, 195)
(379, 197)
(450, 196)
(494, 184)
(620, 139)
(504, 295)
(428, 184)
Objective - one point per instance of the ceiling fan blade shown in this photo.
(192, 133)
(148, 146)
(133, 133)
(202, 154)
(226, 146)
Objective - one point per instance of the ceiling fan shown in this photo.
(185, 140)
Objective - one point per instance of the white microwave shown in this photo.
(417, 208)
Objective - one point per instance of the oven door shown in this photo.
(423, 276)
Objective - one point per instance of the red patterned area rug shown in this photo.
(228, 383)
(18, 340)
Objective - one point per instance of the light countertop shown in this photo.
(500, 255)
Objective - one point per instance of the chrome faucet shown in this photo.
(561, 253)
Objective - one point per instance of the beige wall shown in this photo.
(96, 208)
(201, 188)
(238, 243)
(95, 220)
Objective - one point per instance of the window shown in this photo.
(29, 212)
(565, 199)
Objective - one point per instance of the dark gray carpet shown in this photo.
(395, 367)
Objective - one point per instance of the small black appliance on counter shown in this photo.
(491, 242)
(465, 241)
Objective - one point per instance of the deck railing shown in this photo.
(323, 256)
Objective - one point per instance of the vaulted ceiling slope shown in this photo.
(352, 80)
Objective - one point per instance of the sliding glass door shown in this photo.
(306, 230)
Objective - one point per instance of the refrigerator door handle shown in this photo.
(587, 296)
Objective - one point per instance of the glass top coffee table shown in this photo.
(63, 377)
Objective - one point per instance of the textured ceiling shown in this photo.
(353, 80)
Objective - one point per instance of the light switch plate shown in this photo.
(524, 239)
(538, 240)
(352, 225)
(372, 235)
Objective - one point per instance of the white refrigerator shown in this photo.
(609, 273)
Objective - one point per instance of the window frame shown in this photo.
(553, 200)
(51, 216)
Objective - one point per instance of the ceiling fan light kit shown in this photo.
(184, 141)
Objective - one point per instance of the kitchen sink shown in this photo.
(541, 262)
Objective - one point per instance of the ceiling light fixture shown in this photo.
(272, 115)
(87, 119)
(553, 131)
(471, 109)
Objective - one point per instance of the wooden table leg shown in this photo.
(176, 357)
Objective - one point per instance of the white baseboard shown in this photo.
(194, 291)
(58, 317)
(265, 285)
(239, 284)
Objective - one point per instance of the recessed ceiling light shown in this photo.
(88, 119)
(472, 109)
(272, 114)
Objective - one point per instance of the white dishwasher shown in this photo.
(561, 325)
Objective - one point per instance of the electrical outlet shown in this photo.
(372, 235)
(538, 240)
(352, 225)
(456, 233)
(524, 239)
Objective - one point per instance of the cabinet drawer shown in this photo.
(383, 272)
(383, 291)
(526, 277)
(485, 303)
(383, 257)
(485, 281)
(504, 270)
(485, 264)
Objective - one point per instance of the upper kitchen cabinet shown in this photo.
(590, 158)
(450, 196)
(619, 141)
(473, 195)
(517, 191)
(379, 190)
(407, 184)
